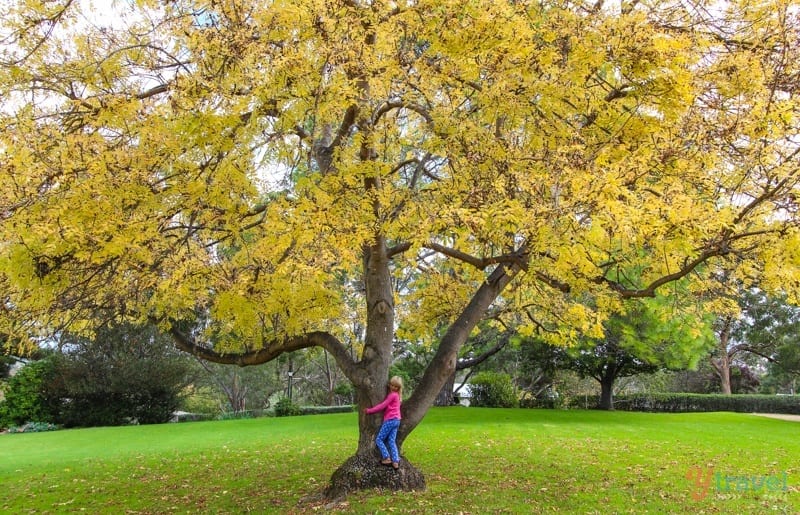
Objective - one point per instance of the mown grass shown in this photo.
(475, 461)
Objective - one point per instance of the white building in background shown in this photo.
(463, 393)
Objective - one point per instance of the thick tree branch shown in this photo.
(552, 282)
(347, 122)
(397, 249)
(400, 104)
(757, 352)
(327, 341)
(519, 258)
(650, 289)
(443, 364)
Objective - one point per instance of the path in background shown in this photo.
(793, 418)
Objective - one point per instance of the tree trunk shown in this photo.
(606, 394)
(364, 470)
(722, 364)
(609, 375)
(722, 367)
(445, 397)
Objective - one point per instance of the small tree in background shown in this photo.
(784, 373)
(652, 334)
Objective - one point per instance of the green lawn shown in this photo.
(475, 460)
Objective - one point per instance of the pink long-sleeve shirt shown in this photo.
(390, 405)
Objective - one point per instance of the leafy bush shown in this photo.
(493, 390)
(26, 398)
(34, 427)
(548, 399)
(692, 402)
(286, 408)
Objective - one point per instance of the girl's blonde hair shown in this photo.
(396, 383)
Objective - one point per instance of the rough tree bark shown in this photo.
(607, 391)
(722, 363)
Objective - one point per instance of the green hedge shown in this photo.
(286, 408)
(694, 402)
(323, 410)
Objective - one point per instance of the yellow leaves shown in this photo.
(613, 148)
(254, 308)
(781, 269)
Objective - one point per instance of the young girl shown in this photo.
(391, 421)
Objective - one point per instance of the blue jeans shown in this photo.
(387, 436)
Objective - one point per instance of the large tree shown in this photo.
(277, 168)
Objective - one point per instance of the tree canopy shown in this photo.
(276, 169)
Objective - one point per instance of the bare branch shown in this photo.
(155, 90)
(471, 362)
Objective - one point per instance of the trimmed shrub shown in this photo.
(693, 403)
(323, 410)
(493, 390)
(286, 408)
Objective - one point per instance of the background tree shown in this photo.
(784, 373)
(126, 373)
(652, 335)
(234, 389)
(764, 325)
(701, 380)
(541, 366)
(272, 167)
